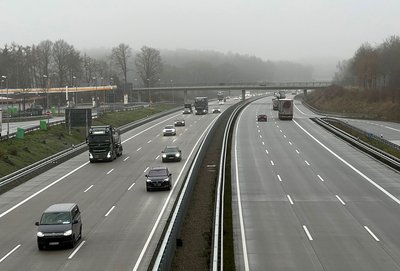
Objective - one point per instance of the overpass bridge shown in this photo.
(66, 91)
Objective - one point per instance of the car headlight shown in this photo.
(164, 156)
(177, 155)
(90, 155)
(109, 154)
(40, 234)
(68, 233)
(164, 131)
(148, 180)
(166, 180)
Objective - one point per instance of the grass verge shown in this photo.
(16, 153)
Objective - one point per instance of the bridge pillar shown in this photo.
(185, 96)
(139, 96)
(243, 94)
(305, 92)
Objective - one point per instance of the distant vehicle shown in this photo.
(187, 107)
(221, 102)
(171, 153)
(179, 122)
(282, 94)
(104, 143)
(169, 130)
(60, 224)
(275, 104)
(236, 98)
(158, 178)
(201, 105)
(216, 110)
(220, 96)
(285, 109)
(262, 117)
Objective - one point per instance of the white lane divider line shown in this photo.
(109, 211)
(290, 143)
(9, 253)
(279, 178)
(297, 152)
(260, 136)
(87, 189)
(146, 169)
(322, 180)
(174, 140)
(139, 149)
(267, 151)
(308, 233)
(371, 233)
(284, 136)
(130, 187)
(126, 158)
(263, 143)
(76, 250)
(340, 200)
(307, 162)
(149, 141)
(110, 171)
(290, 199)
(158, 156)
(272, 163)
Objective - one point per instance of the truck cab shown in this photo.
(104, 143)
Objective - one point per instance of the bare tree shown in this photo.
(44, 53)
(120, 55)
(61, 53)
(148, 65)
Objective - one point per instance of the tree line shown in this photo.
(60, 64)
(373, 67)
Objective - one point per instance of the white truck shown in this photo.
(285, 109)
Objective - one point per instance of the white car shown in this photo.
(169, 130)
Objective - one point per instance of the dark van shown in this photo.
(59, 225)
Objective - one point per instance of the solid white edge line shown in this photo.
(290, 199)
(9, 253)
(279, 177)
(109, 211)
(352, 167)
(130, 187)
(340, 200)
(372, 234)
(239, 199)
(41, 190)
(76, 250)
(153, 230)
(308, 233)
(87, 189)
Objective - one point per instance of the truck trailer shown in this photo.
(104, 143)
(201, 105)
(285, 109)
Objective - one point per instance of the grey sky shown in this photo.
(270, 29)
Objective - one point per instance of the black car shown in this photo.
(60, 224)
(171, 153)
(180, 122)
(216, 110)
(262, 117)
(158, 178)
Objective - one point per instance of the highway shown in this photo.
(122, 223)
(305, 200)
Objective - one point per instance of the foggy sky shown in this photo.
(270, 29)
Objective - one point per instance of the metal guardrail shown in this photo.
(24, 174)
(382, 156)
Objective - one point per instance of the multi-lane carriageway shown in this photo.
(306, 200)
(303, 200)
(122, 223)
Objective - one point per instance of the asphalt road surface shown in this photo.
(305, 200)
(122, 222)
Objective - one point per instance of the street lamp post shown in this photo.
(8, 115)
(104, 96)
(95, 93)
(173, 92)
(46, 90)
(148, 89)
(76, 90)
